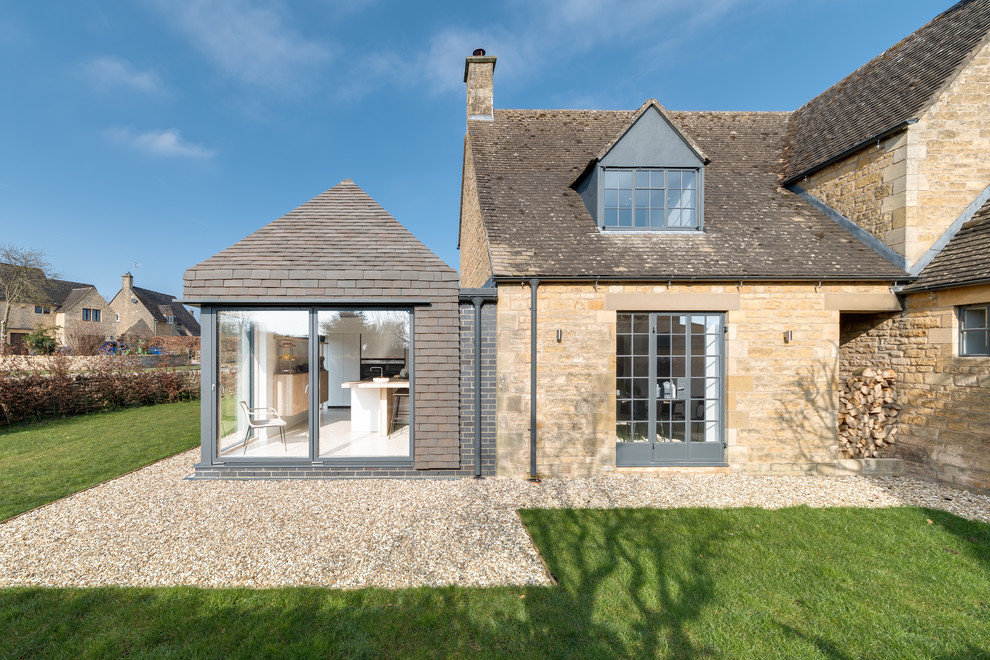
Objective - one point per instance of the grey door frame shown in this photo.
(652, 453)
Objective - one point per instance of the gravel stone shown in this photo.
(153, 527)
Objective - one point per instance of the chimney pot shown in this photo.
(479, 52)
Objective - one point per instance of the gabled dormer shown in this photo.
(649, 178)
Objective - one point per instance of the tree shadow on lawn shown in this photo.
(617, 597)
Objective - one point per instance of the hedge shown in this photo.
(50, 390)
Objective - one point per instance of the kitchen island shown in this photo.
(371, 403)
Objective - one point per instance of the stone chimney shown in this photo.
(479, 72)
(127, 282)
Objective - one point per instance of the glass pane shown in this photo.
(698, 345)
(711, 432)
(611, 179)
(625, 179)
(642, 199)
(642, 178)
(625, 217)
(365, 394)
(663, 431)
(673, 198)
(641, 344)
(623, 388)
(657, 179)
(623, 411)
(678, 345)
(663, 323)
(623, 367)
(677, 431)
(641, 366)
(687, 199)
(697, 410)
(623, 432)
(688, 218)
(642, 217)
(656, 199)
(663, 344)
(711, 410)
(623, 322)
(611, 199)
(263, 360)
(688, 180)
(975, 317)
(677, 324)
(698, 388)
(625, 199)
(611, 218)
(640, 386)
(674, 218)
(673, 179)
(641, 323)
(697, 432)
(975, 342)
(712, 324)
(677, 367)
(640, 410)
(640, 432)
(623, 344)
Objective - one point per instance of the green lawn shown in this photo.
(43, 461)
(744, 583)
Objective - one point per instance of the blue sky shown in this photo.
(159, 132)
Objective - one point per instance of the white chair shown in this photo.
(262, 418)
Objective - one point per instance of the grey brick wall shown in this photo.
(467, 411)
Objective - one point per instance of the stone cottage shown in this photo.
(140, 312)
(687, 288)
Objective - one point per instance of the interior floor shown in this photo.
(336, 440)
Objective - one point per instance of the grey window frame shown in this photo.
(699, 225)
(964, 331)
(42, 309)
(210, 383)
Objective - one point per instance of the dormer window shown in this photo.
(650, 198)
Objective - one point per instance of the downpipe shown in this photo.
(534, 283)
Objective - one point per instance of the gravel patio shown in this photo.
(155, 528)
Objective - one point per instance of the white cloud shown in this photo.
(109, 71)
(247, 40)
(543, 34)
(166, 143)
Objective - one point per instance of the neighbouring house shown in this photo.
(75, 308)
(688, 288)
(145, 313)
(331, 344)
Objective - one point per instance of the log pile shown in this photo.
(868, 414)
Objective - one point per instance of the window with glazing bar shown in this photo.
(974, 330)
(651, 198)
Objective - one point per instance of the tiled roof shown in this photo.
(57, 292)
(339, 244)
(897, 85)
(537, 225)
(75, 295)
(965, 259)
(162, 305)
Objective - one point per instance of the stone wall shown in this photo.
(947, 154)
(781, 401)
(476, 262)
(23, 319)
(945, 424)
(868, 187)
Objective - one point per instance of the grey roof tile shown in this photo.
(537, 225)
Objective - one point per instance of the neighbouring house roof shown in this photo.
(74, 296)
(340, 244)
(62, 294)
(162, 305)
(526, 160)
(964, 259)
(892, 88)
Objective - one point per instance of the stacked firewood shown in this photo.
(867, 414)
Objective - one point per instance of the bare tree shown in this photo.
(22, 279)
(88, 338)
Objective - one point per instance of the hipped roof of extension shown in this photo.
(537, 225)
(887, 92)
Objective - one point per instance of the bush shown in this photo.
(112, 382)
(42, 339)
(86, 339)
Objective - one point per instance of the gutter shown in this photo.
(851, 150)
(680, 279)
(534, 283)
(938, 287)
